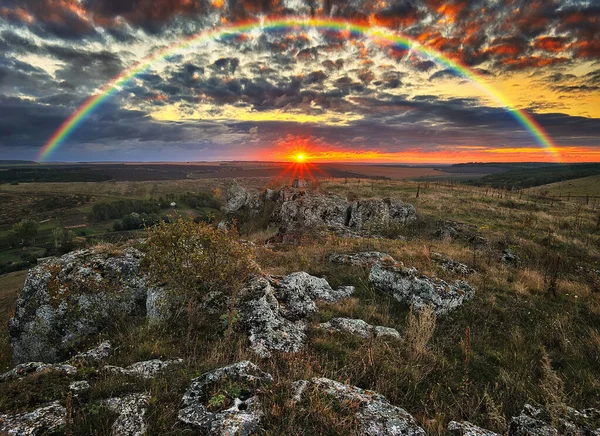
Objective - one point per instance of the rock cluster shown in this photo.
(364, 259)
(296, 209)
(374, 412)
(360, 328)
(92, 356)
(242, 412)
(535, 421)
(276, 311)
(147, 369)
(47, 420)
(407, 285)
(452, 265)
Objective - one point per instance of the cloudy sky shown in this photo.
(333, 95)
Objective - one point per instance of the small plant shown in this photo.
(419, 331)
(217, 401)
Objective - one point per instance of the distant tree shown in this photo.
(25, 231)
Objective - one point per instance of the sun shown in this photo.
(300, 157)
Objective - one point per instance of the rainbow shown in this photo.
(376, 34)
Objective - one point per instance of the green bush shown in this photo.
(195, 259)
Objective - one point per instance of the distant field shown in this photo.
(576, 187)
(392, 172)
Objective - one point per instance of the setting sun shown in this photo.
(300, 157)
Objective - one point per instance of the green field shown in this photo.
(578, 187)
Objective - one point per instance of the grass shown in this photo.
(577, 187)
(514, 343)
(10, 286)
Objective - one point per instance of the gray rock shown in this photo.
(25, 369)
(147, 369)
(237, 198)
(161, 305)
(535, 421)
(68, 300)
(405, 285)
(94, 355)
(374, 412)
(365, 258)
(242, 417)
(132, 414)
(510, 257)
(276, 311)
(79, 387)
(465, 428)
(360, 328)
(44, 420)
(299, 210)
(452, 265)
(375, 214)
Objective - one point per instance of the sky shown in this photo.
(328, 95)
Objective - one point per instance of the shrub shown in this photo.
(194, 260)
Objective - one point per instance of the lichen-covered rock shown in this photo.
(452, 265)
(374, 412)
(93, 355)
(365, 258)
(465, 428)
(79, 387)
(360, 328)
(24, 369)
(237, 197)
(276, 311)
(67, 300)
(45, 420)
(147, 369)
(535, 421)
(300, 210)
(406, 285)
(132, 414)
(375, 214)
(161, 305)
(242, 414)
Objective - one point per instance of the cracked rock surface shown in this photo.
(147, 369)
(373, 411)
(276, 311)
(407, 285)
(132, 414)
(43, 420)
(360, 328)
(243, 413)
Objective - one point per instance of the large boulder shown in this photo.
(224, 401)
(374, 413)
(68, 300)
(375, 214)
(132, 414)
(237, 197)
(407, 285)
(276, 311)
(300, 210)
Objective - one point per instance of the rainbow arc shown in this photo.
(376, 34)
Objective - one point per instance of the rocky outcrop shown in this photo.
(147, 369)
(535, 421)
(452, 265)
(68, 300)
(25, 369)
(275, 311)
(132, 414)
(45, 420)
(376, 215)
(406, 285)
(364, 259)
(79, 387)
(358, 327)
(373, 411)
(233, 409)
(465, 428)
(89, 357)
(297, 209)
